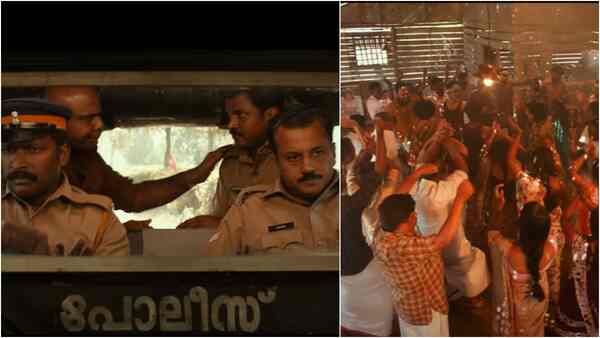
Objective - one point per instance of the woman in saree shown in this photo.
(577, 313)
(520, 268)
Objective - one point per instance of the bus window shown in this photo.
(155, 152)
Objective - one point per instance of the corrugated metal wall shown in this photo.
(529, 38)
(411, 50)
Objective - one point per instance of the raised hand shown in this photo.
(211, 160)
(215, 156)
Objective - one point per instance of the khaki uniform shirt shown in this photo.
(238, 171)
(68, 215)
(268, 220)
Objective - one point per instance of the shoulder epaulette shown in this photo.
(249, 191)
(82, 197)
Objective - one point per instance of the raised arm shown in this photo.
(406, 185)
(380, 151)
(584, 186)
(445, 236)
(514, 166)
(457, 152)
(431, 148)
(146, 195)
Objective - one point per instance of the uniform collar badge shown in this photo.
(15, 118)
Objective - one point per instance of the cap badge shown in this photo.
(15, 119)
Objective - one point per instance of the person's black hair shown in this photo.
(60, 136)
(367, 178)
(373, 86)
(538, 110)
(452, 83)
(399, 85)
(542, 164)
(434, 80)
(475, 106)
(499, 151)
(534, 226)
(395, 209)
(300, 118)
(348, 151)
(264, 97)
(360, 120)
(424, 109)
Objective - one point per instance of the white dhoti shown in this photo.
(437, 328)
(367, 301)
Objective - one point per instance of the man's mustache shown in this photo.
(21, 175)
(309, 176)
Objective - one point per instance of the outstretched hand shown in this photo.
(211, 160)
(215, 156)
(201, 221)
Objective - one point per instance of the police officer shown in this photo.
(90, 172)
(299, 212)
(251, 161)
(42, 213)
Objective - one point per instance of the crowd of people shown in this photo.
(470, 198)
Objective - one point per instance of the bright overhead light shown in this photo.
(488, 82)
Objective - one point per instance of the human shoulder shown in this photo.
(229, 162)
(231, 155)
(458, 176)
(81, 197)
(251, 193)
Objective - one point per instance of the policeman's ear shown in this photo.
(270, 113)
(64, 153)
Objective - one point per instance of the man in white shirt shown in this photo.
(374, 102)
(351, 105)
(465, 265)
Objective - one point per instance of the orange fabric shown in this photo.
(59, 122)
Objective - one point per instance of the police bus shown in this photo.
(163, 113)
